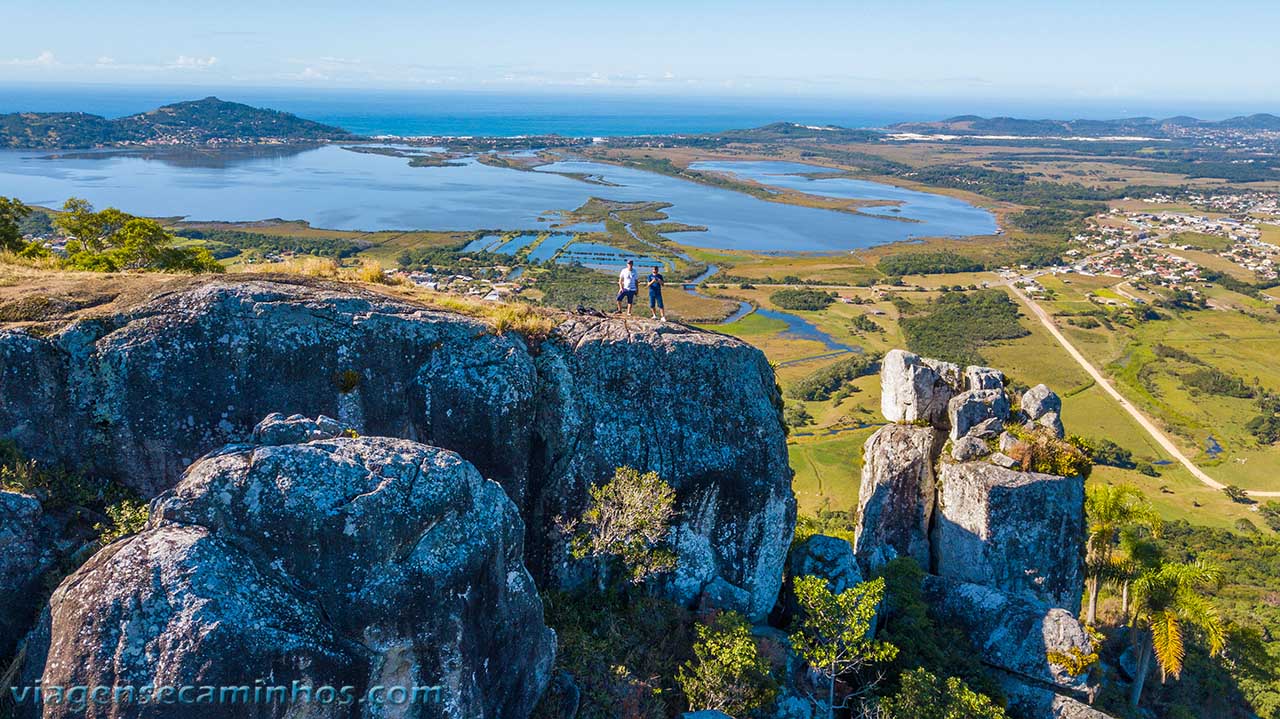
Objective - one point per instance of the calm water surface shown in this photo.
(335, 188)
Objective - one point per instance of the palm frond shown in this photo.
(1166, 640)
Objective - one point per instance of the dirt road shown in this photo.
(1156, 433)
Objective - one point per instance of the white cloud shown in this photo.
(44, 59)
(185, 62)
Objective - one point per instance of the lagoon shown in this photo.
(334, 188)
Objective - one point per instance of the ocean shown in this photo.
(505, 114)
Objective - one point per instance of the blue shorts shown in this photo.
(655, 300)
(628, 295)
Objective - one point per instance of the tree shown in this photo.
(1137, 554)
(1110, 510)
(12, 212)
(111, 241)
(727, 672)
(1271, 515)
(834, 630)
(139, 243)
(627, 520)
(1165, 600)
(925, 696)
(795, 415)
(1236, 494)
(85, 229)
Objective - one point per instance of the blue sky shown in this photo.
(1173, 50)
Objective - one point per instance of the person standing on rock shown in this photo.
(656, 280)
(627, 286)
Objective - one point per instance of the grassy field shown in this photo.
(828, 465)
(1202, 241)
(828, 470)
(1271, 233)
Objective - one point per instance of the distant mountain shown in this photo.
(794, 131)
(197, 122)
(1260, 121)
(1130, 126)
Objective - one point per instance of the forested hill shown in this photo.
(1146, 126)
(196, 122)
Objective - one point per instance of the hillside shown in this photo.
(196, 122)
(1145, 126)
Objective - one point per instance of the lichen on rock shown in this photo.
(339, 562)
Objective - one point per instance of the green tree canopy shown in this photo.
(628, 520)
(924, 696)
(833, 631)
(12, 212)
(1167, 600)
(727, 672)
(1110, 512)
(111, 241)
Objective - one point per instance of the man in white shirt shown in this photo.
(627, 286)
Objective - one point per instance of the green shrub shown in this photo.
(623, 651)
(1236, 494)
(820, 384)
(832, 524)
(924, 642)
(55, 487)
(795, 415)
(1106, 453)
(923, 695)
(1270, 512)
(1039, 450)
(1216, 382)
(1245, 526)
(956, 325)
(727, 672)
(928, 263)
(128, 516)
(863, 323)
(803, 299)
(111, 241)
(627, 521)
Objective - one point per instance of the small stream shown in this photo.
(797, 326)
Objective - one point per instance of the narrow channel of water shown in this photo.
(797, 326)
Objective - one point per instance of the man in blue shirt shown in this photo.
(655, 293)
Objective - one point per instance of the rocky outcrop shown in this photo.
(1012, 633)
(24, 556)
(1003, 547)
(1019, 532)
(1039, 401)
(277, 429)
(143, 393)
(139, 394)
(984, 410)
(830, 558)
(1032, 700)
(1042, 407)
(969, 448)
(916, 389)
(895, 500)
(339, 562)
(702, 411)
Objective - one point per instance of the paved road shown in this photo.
(1156, 433)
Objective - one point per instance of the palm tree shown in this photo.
(1165, 599)
(1137, 554)
(1110, 511)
